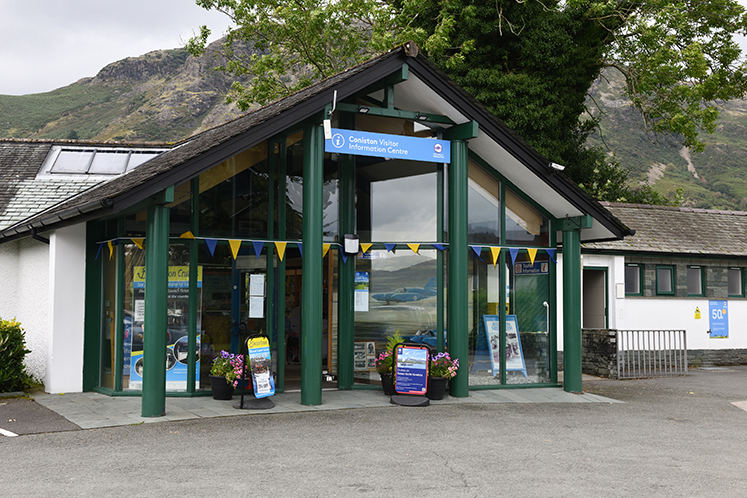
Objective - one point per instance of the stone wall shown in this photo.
(599, 352)
(716, 357)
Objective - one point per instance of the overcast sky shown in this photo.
(48, 44)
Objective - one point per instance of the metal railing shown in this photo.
(651, 353)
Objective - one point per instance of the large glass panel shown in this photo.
(484, 206)
(524, 224)
(234, 195)
(396, 201)
(395, 294)
(109, 162)
(108, 317)
(527, 335)
(134, 316)
(180, 210)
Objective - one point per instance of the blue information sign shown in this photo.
(411, 369)
(719, 319)
(361, 143)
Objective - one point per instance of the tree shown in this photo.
(531, 62)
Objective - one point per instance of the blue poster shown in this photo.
(260, 363)
(411, 369)
(361, 143)
(719, 319)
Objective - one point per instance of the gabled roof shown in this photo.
(679, 231)
(427, 89)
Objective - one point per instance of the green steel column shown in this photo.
(346, 314)
(311, 286)
(572, 302)
(156, 300)
(457, 293)
(193, 290)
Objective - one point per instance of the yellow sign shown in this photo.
(176, 274)
(697, 313)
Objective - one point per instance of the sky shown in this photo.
(48, 44)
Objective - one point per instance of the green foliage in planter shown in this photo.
(13, 375)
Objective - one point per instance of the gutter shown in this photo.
(31, 229)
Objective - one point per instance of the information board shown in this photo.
(514, 353)
(411, 369)
(719, 319)
(260, 363)
(361, 143)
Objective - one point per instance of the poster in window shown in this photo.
(514, 354)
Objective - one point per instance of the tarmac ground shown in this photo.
(682, 436)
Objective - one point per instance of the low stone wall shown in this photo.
(599, 352)
(716, 357)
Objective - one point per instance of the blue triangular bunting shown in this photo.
(478, 250)
(211, 243)
(258, 245)
(344, 256)
(513, 251)
(300, 248)
(440, 247)
(551, 253)
(99, 251)
(389, 247)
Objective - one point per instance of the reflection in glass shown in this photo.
(524, 224)
(395, 294)
(484, 206)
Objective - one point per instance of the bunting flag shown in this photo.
(440, 247)
(210, 244)
(414, 247)
(300, 248)
(235, 246)
(325, 249)
(389, 247)
(551, 253)
(280, 246)
(478, 250)
(494, 253)
(365, 247)
(258, 245)
(532, 255)
(187, 235)
(344, 256)
(99, 251)
(513, 251)
(138, 242)
(111, 249)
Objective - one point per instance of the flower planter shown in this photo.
(388, 384)
(221, 388)
(436, 387)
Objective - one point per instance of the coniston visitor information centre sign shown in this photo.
(361, 143)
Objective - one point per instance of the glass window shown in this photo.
(695, 281)
(109, 162)
(665, 280)
(736, 282)
(234, 195)
(401, 299)
(633, 279)
(73, 161)
(484, 206)
(524, 224)
(180, 212)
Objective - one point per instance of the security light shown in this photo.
(557, 166)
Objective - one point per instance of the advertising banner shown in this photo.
(719, 319)
(260, 364)
(411, 369)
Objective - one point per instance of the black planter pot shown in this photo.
(436, 387)
(221, 388)
(387, 383)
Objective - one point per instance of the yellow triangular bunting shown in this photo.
(494, 253)
(235, 246)
(365, 247)
(280, 246)
(187, 235)
(111, 249)
(414, 247)
(138, 242)
(325, 249)
(532, 255)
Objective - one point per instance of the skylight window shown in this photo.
(95, 161)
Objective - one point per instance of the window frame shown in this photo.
(639, 266)
(702, 281)
(741, 281)
(671, 280)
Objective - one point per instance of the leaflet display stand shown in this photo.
(260, 361)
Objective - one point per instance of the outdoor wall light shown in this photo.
(350, 243)
(421, 117)
(557, 166)
(363, 109)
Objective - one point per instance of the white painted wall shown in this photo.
(67, 268)
(23, 296)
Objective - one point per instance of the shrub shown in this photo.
(13, 375)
